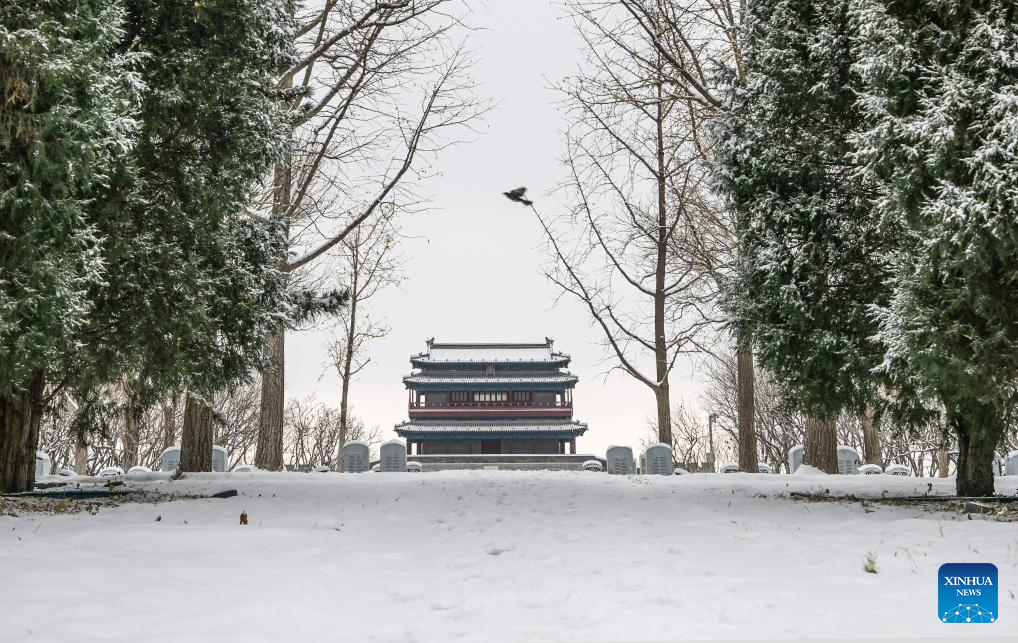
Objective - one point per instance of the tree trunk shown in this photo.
(821, 444)
(661, 390)
(196, 439)
(976, 449)
(132, 432)
(37, 390)
(664, 413)
(269, 452)
(169, 424)
(20, 418)
(870, 436)
(81, 458)
(344, 396)
(943, 461)
(348, 355)
(744, 385)
(343, 412)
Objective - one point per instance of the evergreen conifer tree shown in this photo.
(941, 98)
(810, 259)
(197, 271)
(187, 255)
(67, 98)
(174, 278)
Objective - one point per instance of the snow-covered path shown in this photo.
(496, 556)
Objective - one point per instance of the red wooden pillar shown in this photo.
(572, 446)
(409, 447)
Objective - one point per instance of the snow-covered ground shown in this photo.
(497, 556)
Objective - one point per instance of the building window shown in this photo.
(521, 396)
(491, 396)
(459, 396)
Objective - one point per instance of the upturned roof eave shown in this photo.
(425, 360)
(560, 380)
(573, 428)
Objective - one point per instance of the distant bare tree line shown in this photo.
(311, 433)
(780, 425)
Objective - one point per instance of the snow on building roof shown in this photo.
(490, 353)
(551, 378)
(541, 426)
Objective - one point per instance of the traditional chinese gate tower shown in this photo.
(511, 403)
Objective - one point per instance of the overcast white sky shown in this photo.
(474, 261)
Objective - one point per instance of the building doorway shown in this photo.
(490, 447)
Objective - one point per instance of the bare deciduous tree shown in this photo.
(313, 434)
(367, 264)
(116, 443)
(700, 44)
(690, 443)
(233, 422)
(777, 421)
(235, 415)
(781, 425)
(382, 87)
(630, 246)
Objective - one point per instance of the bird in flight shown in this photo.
(517, 196)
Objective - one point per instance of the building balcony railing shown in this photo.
(506, 404)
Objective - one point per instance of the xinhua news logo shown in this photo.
(968, 593)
